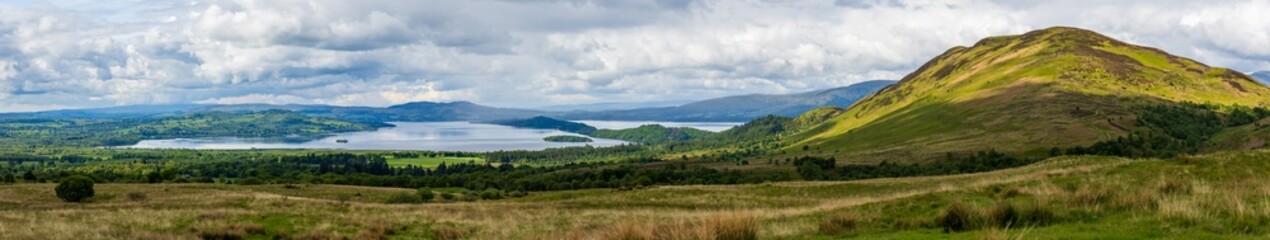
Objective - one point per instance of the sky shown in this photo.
(529, 53)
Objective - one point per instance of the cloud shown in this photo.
(541, 52)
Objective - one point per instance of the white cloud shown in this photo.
(527, 53)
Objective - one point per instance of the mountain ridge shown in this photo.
(743, 107)
(731, 108)
(1262, 76)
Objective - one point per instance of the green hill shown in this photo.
(113, 132)
(541, 122)
(652, 133)
(1052, 88)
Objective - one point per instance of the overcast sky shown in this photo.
(89, 53)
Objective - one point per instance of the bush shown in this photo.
(425, 194)
(75, 189)
(402, 198)
(447, 196)
(958, 217)
(468, 197)
(491, 194)
(517, 194)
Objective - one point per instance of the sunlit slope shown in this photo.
(1056, 87)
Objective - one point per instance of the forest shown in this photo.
(127, 131)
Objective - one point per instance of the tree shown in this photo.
(811, 171)
(75, 189)
(29, 176)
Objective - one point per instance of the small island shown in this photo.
(567, 138)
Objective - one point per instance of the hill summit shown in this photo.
(1055, 87)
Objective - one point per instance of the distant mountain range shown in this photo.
(1262, 76)
(742, 108)
(608, 106)
(416, 111)
(735, 108)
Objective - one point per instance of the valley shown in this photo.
(1056, 133)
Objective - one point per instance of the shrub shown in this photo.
(75, 189)
(137, 196)
(958, 217)
(447, 196)
(468, 197)
(402, 198)
(839, 224)
(517, 194)
(491, 193)
(425, 194)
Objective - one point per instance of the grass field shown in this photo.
(431, 162)
(1218, 196)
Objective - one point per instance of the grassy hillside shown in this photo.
(1056, 87)
(1216, 196)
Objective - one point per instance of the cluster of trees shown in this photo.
(653, 134)
(566, 138)
(125, 131)
(424, 195)
(567, 154)
(1173, 129)
(373, 170)
(648, 134)
(817, 168)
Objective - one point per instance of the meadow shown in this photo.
(1221, 195)
(430, 161)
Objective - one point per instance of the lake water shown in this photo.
(436, 136)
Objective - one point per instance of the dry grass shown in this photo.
(681, 212)
(231, 231)
(839, 224)
(1029, 197)
(716, 227)
(447, 233)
